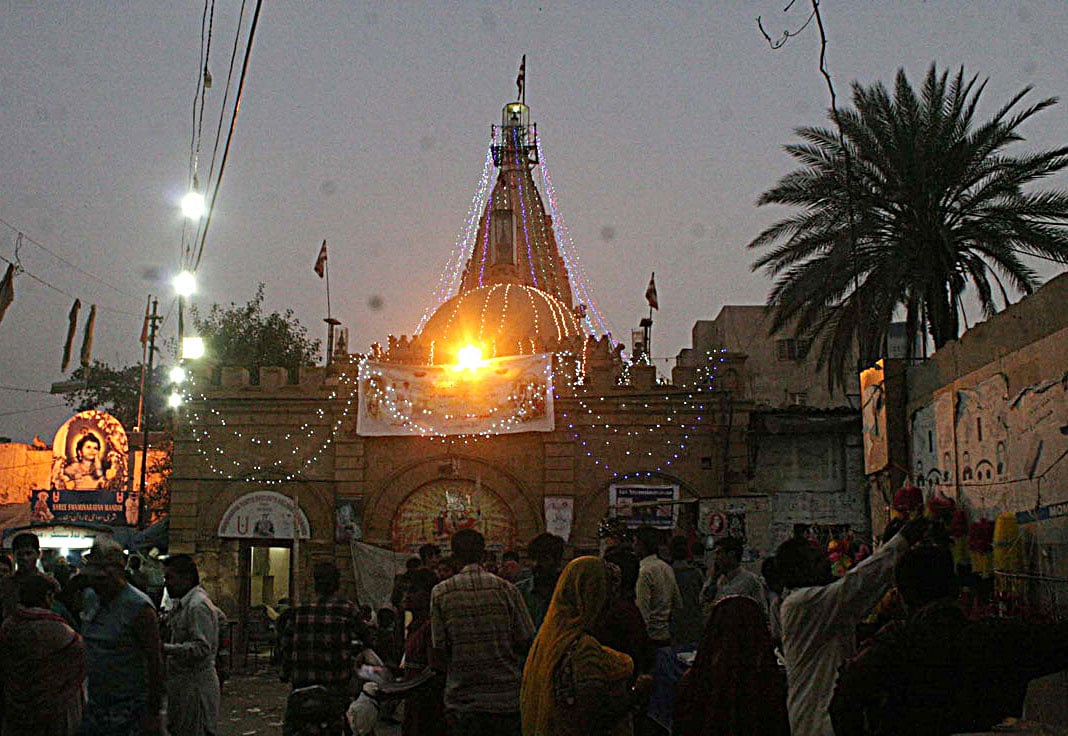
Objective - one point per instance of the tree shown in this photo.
(909, 205)
(247, 337)
(117, 391)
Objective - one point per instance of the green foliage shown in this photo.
(117, 390)
(247, 337)
(921, 206)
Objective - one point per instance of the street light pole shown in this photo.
(147, 414)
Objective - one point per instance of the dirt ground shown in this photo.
(253, 704)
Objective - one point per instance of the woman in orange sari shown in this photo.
(573, 686)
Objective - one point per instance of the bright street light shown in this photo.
(177, 374)
(174, 400)
(192, 348)
(193, 205)
(185, 283)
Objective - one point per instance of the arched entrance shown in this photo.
(436, 510)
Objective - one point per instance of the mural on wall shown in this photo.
(1006, 451)
(439, 509)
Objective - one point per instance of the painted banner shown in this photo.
(116, 508)
(559, 513)
(89, 453)
(636, 505)
(348, 515)
(486, 397)
(263, 515)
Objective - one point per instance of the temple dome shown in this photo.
(502, 319)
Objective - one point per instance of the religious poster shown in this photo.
(264, 515)
(348, 514)
(439, 509)
(745, 517)
(559, 513)
(873, 418)
(487, 397)
(638, 505)
(89, 453)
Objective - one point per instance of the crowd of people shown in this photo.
(85, 651)
(578, 647)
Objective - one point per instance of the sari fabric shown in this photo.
(565, 656)
(735, 687)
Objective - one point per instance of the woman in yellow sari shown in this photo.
(571, 684)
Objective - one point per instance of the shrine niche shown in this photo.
(439, 509)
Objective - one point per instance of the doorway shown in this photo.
(266, 578)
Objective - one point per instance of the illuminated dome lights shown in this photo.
(505, 319)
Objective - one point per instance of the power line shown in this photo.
(30, 411)
(61, 259)
(19, 268)
(25, 390)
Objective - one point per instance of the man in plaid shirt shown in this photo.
(317, 640)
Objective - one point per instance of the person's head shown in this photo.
(646, 541)
(736, 639)
(510, 556)
(27, 550)
(413, 563)
(134, 563)
(105, 567)
(546, 553)
(326, 579)
(180, 575)
(800, 564)
(36, 591)
(679, 548)
(417, 596)
(6, 568)
(88, 448)
(430, 554)
(769, 570)
(468, 547)
(628, 565)
(728, 555)
(386, 618)
(924, 574)
(447, 567)
(581, 594)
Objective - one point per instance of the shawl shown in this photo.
(564, 643)
(735, 687)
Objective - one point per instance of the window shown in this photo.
(796, 398)
(794, 348)
(503, 236)
(979, 427)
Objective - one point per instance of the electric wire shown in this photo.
(19, 268)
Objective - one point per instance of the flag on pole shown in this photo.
(87, 339)
(320, 262)
(7, 289)
(72, 328)
(650, 293)
(521, 79)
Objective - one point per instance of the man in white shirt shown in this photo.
(657, 593)
(728, 577)
(819, 617)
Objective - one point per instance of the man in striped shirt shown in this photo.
(483, 629)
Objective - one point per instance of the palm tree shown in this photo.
(910, 203)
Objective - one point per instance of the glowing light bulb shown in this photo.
(185, 283)
(469, 357)
(177, 374)
(174, 400)
(193, 205)
(192, 348)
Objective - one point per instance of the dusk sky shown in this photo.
(367, 124)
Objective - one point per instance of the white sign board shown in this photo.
(264, 515)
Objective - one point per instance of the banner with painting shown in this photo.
(486, 397)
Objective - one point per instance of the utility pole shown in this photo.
(146, 418)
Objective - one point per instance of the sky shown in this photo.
(366, 124)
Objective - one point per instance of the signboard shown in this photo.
(264, 515)
(559, 513)
(439, 509)
(498, 396)
(745, 517)
(636, 505)
(115, 508)
(88, 477)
